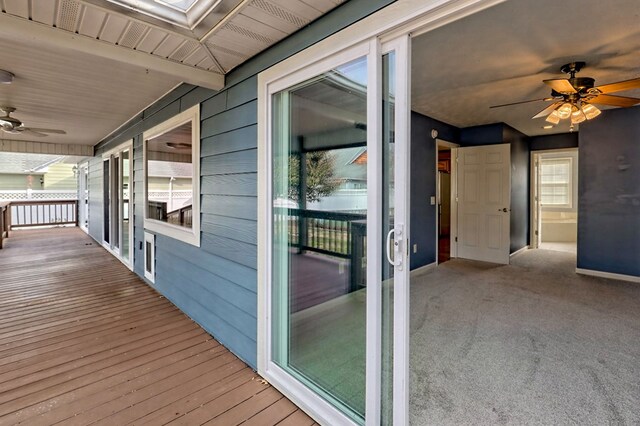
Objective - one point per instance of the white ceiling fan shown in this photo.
(14, 126)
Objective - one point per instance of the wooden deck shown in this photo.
(83, 340)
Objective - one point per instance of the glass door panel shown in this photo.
(115, 203)
(124, 196)
(388, 185)
(319, 220)
(106, 200)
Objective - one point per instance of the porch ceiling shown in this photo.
(502, 54)
(87, 66)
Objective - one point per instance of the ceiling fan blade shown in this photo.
(548, 110)
(32, 132)
(36, 129)
(620, 101)
(521, 102)
(634, 83)
(560, 85)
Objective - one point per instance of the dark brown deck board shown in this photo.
(84, 340)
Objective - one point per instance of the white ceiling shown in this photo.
(88, 66)
(502, 54)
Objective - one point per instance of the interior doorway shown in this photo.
(555, 200)
(446, 216)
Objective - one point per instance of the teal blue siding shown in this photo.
(215, 284)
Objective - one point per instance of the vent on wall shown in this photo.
(68, 15)
(150, 256)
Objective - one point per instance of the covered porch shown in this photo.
(84, 340)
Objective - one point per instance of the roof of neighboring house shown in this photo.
(18, 163)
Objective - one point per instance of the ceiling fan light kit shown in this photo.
(574, 97)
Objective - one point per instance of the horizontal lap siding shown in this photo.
(215, 284)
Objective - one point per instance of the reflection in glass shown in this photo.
(169, 177)
(319, 234)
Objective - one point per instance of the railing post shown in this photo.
(2, 215)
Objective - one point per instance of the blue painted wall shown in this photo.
(520, 187)
(557, 141)
(423, 185)
(216, 284)
(609, 193)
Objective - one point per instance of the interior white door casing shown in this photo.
(484, 199)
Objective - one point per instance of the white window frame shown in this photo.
(187, 235)
(150, 239)
(569, 184)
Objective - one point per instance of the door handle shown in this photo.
(397, 246)
(387, 245)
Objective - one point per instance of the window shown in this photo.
(555, 182)
(172, 177)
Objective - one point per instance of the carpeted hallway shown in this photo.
(527, 343)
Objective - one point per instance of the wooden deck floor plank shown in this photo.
(116, 307)
(115, 342)
(118, 364)
(138, 375)
(247, 409)
(84, 330)
(83, 339)
(60, 329)
(149, 378)
(220, 405)
(64, 311)
(180, 407)
(297, 418)
(136, 404)
(272, 414)
(65, 368)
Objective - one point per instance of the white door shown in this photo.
(484, 189)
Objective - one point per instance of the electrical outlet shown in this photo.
(415, 248)
(433, 200)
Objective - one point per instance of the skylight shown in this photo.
(182, 5)
(185, 13)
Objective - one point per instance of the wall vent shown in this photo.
(280, 13)
(132, 35)
(248, 33)
(183, 51)
(68, 15)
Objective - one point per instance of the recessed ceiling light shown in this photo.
(6, 77)
(547, 127)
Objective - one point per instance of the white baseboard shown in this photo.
(517, 252)
(610, 275)
(424, 269)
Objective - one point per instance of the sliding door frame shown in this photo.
(115, 184)
(388, 29)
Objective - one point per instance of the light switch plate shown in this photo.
(433, 200)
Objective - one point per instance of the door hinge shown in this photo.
(536, 232)
(456, 239)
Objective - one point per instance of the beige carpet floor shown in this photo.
(527, 343)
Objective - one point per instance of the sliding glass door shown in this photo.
(118, 229)
(337, 245)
